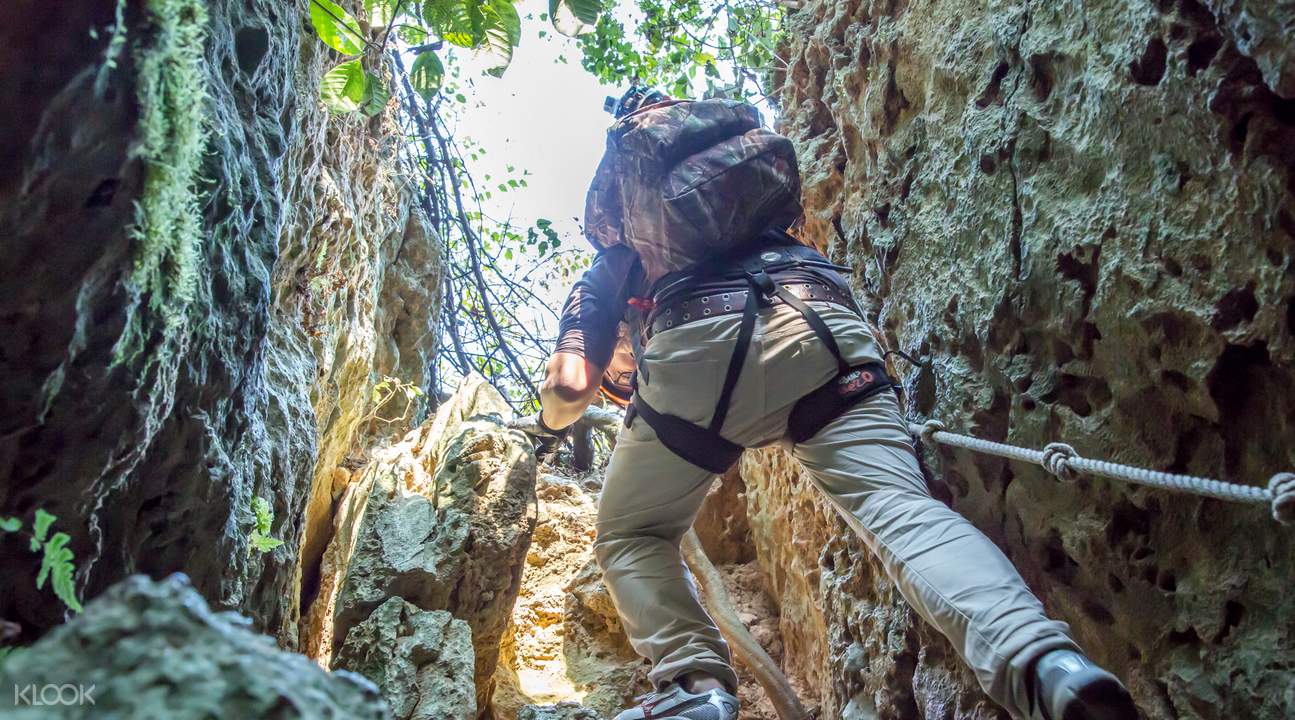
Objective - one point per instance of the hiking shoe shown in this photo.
(1068, 686)
(675, 703)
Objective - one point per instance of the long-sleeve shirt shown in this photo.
(593, 310)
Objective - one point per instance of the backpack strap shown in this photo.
(735, 362)
(705, 447)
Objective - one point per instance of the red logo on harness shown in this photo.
(854, 381)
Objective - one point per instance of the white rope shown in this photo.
(1062, 461)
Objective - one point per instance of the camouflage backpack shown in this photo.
(683, 181)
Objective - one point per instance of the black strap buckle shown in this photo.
(762, 282)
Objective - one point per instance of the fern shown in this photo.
(260, 539)
(56, 560)
(57, 564)
(40, 529)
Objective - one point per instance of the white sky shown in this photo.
(543, 116)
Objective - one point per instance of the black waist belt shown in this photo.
(703, 446)
(679, 311)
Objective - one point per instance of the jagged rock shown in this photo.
(561, 711)
(1085, 218)
(722, 525)
(441, 519)
(156, 383)
(148, 649)
(422, 661)
(1259, 29)
(846, 633)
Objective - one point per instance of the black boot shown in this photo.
(1068, 686)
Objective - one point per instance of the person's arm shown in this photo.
(586, 337)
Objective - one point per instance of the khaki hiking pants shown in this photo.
(863, 462)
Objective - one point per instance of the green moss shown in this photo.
(168, 227)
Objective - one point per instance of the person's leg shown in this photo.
(651, 496)
(648, 502)
(946, 569)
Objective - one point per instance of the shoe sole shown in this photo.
(1100, 697)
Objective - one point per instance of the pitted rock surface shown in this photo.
(422, 661)
(148, 649)
(442, 520)
(1084, 216)
(312, 281)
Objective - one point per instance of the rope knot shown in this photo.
(1056, 460)
(1282, 487)
(929, 429)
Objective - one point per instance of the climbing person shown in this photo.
(743, 337)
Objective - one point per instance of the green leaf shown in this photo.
(336, 27)
(344, 87)
(12, 524)
(426, 75)
(458, 22)
(574, 17)
(261, 543)
(40, 528)
(376, 94)
(380, 12)
(503, 31)
(412, 34)
(264, 515)
(57, 564)
(43, 522)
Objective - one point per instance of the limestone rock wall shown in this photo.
(847, 635)
(203, 277)
(438, 522)
(421, 660)
(1083, 213)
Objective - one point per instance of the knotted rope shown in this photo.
(1062, 461)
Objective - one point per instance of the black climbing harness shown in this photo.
(703, 446)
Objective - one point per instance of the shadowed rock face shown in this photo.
(147, 647)
(146, 408)
(1084, 215)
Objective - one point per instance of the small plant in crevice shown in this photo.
(386, 391)
(56, 559)
(263, 516)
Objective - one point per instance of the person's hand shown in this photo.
(546, 439)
